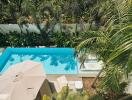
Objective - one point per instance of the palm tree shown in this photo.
(113, 45)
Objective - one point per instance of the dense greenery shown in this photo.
(15, 39)
(32, 11)
(67, 94)
(50, 13)
(20, 40)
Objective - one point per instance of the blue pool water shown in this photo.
(54, 60)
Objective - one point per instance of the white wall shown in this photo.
(6, 28)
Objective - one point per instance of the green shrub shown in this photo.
(46, 98)
(15, 39)
(67, 94)
(96, 97)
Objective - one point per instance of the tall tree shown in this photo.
(112, 42)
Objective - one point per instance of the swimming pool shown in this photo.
(54, 60)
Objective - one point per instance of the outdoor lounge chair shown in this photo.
(72, 84)
(60, 83)
(92, 66)
(78, 85)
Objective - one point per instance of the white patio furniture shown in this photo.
(60, 83)
(92, 66)
(78, 85)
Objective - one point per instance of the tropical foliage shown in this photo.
(46, 97)
(46, 12)
(67, 94)
(52, 12)
(20, 40)
(112, 42)
(61, 10)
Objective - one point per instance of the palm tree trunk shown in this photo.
(97, 77)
